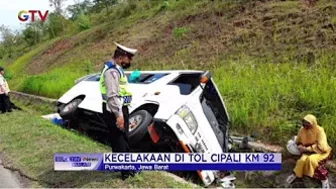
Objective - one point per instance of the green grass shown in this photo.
(259, 54)
(273, 98)
(29, 143)
(16, 71)
(54, 83)
(260, 98)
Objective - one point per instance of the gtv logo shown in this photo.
(30, 15)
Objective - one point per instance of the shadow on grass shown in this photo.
(53, 179)
(77, 179)
(145, 146)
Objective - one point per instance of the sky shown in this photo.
(9, 10)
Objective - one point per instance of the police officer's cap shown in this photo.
(127, 51)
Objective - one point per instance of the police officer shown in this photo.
(116, 98)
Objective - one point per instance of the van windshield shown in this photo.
(148, 78)
(214, 110)
(187, 83)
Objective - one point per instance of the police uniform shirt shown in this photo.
(114, 102)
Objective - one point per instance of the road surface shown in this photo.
(7, 178)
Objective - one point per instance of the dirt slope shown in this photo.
(205, 31)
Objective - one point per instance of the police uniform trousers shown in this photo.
(118, 138)
(5, 105)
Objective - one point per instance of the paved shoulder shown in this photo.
(7, 178)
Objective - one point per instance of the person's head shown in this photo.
(2, 71)
(309, 121)
(123, 56)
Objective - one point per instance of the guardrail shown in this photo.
(32, 98)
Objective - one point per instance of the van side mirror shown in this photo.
(205, 77)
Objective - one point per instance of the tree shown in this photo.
(8, 38)
(33, 33)
(100, 4)
(79, 8)
(2, 51)
(58, 5)
(54, 25)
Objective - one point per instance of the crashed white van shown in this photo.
(181, 111)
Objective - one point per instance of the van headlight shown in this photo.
(188, 117)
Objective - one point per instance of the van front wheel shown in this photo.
(139, 121)
(69, 110)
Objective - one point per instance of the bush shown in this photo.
(127, 10)
(83, 22)
(71, 28)
(164, 6)
(8, 75)
(2, 51)
(55, 25)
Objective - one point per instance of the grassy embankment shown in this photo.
(28, 143)
(273, 61)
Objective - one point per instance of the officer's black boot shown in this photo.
(127, 174)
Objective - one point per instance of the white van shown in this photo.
(181, 111)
